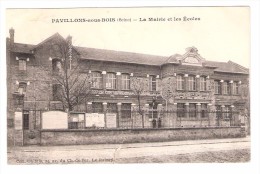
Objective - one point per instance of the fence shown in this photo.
(173, 119)
(145, 119)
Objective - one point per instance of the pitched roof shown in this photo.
(56, 35)
(135, 58)
(120, 56)
(229, 67)
(23, 48)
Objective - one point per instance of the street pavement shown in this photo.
(109, 153)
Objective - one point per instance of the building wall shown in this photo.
(39, 93)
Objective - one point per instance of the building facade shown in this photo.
(134, 90)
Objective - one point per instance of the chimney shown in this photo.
(11, 32)
(69, 40)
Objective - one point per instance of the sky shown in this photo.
(220, 34)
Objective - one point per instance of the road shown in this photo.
(117, 153)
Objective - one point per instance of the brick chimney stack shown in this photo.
(11, 32)
(69, 40)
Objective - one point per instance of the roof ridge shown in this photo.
(239, 66)
(120, 51)
(48, 38)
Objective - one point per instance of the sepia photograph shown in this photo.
(128, 85)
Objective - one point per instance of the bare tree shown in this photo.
(72, 86)
(138, 87)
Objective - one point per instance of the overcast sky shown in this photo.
(220, 34)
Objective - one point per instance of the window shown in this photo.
(203, 84)
(152, 82)
(25, 120)
(227, 112)
(180, 110)
(19, 100)
(111, 81)
(192, 110)
(235, 88)
(153, 110)
(204, 110)
(191, 83)
(125, 82)
(226, 88)
(22, 64)
(96, 80)
(56, 65)
(126, 110)
(218, 113)
(56, 92)
(76, 121)
(217, 87)
(22, 88)
(112, 108)
(180, 82)
(97, 107)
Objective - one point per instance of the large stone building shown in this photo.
(182, 90)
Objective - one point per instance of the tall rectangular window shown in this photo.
(191, 83)
(97, 107)
(22, 64)
(96, 80)
(153, 110)
(217, 87)
(152, 82)
(180, 82)
(218, 112)
(192, 110)
(203, 84)
(204, 110)
(180, 110)
(227, 112)
(235, 88)
(25, 120)
(126, 110)
(125, 81)
(226, 88)
(111, 81)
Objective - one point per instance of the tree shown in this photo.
(138, 87)
(70, 85)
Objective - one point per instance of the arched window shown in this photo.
(56, 65)
(96, 80)
(125, 81)
(111, 81)
(180, 82)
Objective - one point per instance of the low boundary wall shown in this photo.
(110, 136)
